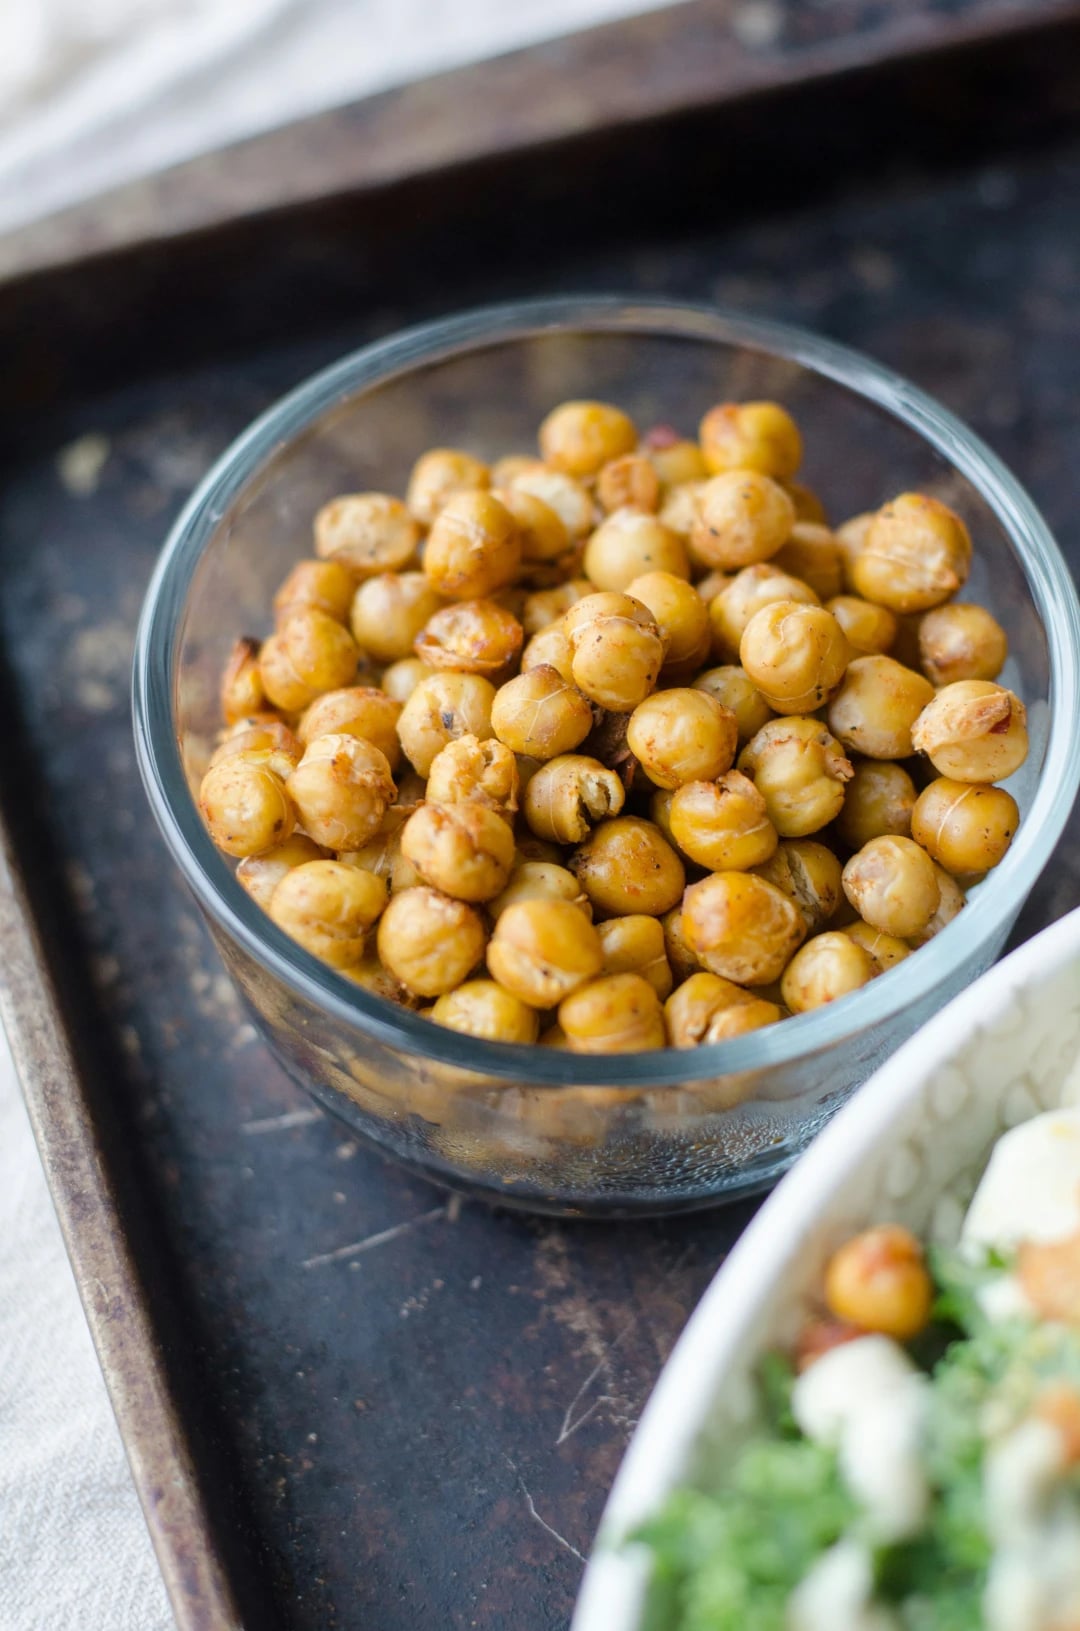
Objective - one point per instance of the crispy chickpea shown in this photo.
(743, 518)
(870, 630)
(800, 771)
(964, 828)
(749, 591)
(682, 736)
(679, 508)
(879, 799)
(539, 714)
(732, 686)
(543, 949)
(742, 928)
(442, 709)
(795, 655)
(962, 642)
(829, 966)
(341, 789)
(246, 806)
(635, 945)
(273, 746)
(674, 459)
(568, 795)
(367, 533)
(328, 908)
(359, 710)
(884, 950)
(310, 653)
(241, 690)
(892, 885)
(876, 707)
(808, 504)
(473, 548)
(813, 554)
(389, 611)
(543, 532)
(660, 803)
(382, 854)
(722, 824)
(879, 1281)
(440, 475)
(682, 618)
(371, 976)
(628, 544)
(541, 880)
(465, 850)
(617, 1013)
(470, 771)
(916, 554)
(951, 904)
(711, 584)
(581, 437)
(707, 1008)
(617, 649)
(401, 678)
(851, 537)
(546, 606)
(571, 501)
(260, 874)
(628, 482)
(682, 960)
(328, 586)
(472, 637)
(482, 1008)
(809, 874)
(429, 941)
(627, 865)
(751, 436)
(973, 731)
(550, 648)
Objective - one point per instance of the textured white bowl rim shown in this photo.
(612, 1593)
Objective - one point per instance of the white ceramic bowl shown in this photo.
(909, 1148)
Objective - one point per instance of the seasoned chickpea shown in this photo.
(800, 771)
(707, 1008)
(951, 904)
(550, 648)
(382, 854)
(682, 736)
(682, 618)
(660, 803)
(571, 501)
(328, 908)
(429, 941)
(272, 745)
(732, 686)
(541, 880)
(543, 949)
(742, 928)
(367, 533)
(442, 709)
(742, 518)
(964, 828)
(327, 586)
(679, 509)
(682, 960)
(260, 874)
(916, 554)
(359, 710)
(962, 642)
(568, 795)
(539, 714)
(617, 649)
(711, 584)
(465, 850)
(439, 476)
(795, 655)
(808, 504)
(546, 606)
(627, 865)
(879, 1281)
(876, 707)
(722, 824)
(884, 950)
(241, 690)
(810, 875)
(829, 966)
(389, 611)
(892, 885)
(310, 653)
(879, 799)
(472, 637)
(674, 459)
(973, 731)
(628, 544)
(482, 1008)
(542, 532)
(470, 771)
(341, 789)
(751, 436)
(370, 974)
(628, 482)
(581, 437)
(851, 537)
(635, 945)
(870, 630)
(473, 548)
(617, 1013)
(813, 554)
(401, 678)
(246, 806)
(749, 591)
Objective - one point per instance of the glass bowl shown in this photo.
(539, 1127)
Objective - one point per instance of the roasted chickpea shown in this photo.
(751, 436)
(628, 544)
(246, 806)
(682, 736)
(892, 885)
(964, 828)
(617, 650)
(879, 799)
(851, 537)
(571, 501)
(472, 637)
(310, 653)
(973, 731)
(260, 874)
(733, 687)
(389, 611)
(808, 505)
(884, 950)
(742, 518)
(795, 655)
(506, 470)
(429, 941)
(543, 949)
(682, 618)
(539, 714)
(748, 593)
(961, 642)
(442, 709)
(541, 880)
(627, 865)
(829, 966)
(916, 554)
(546, 606)
(810, 875)
(711, 584)
(674, 459)
(707, 1008)
(722, 824)
(382, 854)
(541, 529)
(241, 690)
(568, 795)
(742, 928)
(473, 548)
(401, 678)
(813, 554)
(617, 1013)
(679, 509)
(876, 707)
(879, 1281)
(272, 745)
(328, 908)
(550, 648)
(327, 586)
(370, 974)
(341, 789)
(868, 629)
(482, 1008)
(439, 476)
(800, 771)
(367, 533)
(628, 482)
(635, 945)
(465, 850)
(359, 710)
(951, 904)
(470, 771)
(581, 437)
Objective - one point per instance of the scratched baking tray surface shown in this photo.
(411, 1409)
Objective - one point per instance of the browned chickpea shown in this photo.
(675, 460)
(473, 548)
(627, 865)
(370, 974)
(382, 854)
(682, 736)
(617, 650)
(682, 960)
(878, 1281)
(635, 945)
(568, 795)
(628, 544)
(542, 530)
(964, 828)
(439, 476)
(742, 519)
(810, 875)
(800, 771)
(884, 950)
(482, 1008)
(660, 803)
(751, 436)
(550, 648)
(892, 885)
(341, 789)
(546, 606)
(851, 537)
(469, 771)
(876, 707)
(961, 642)
(328, 908)
(916, 554)
(242, 691)
(541, 880)
(808, 505)
(540, 715)
(951, 904)
(829, 966)
(628, 482)
(260, 874)
(723, 824)
(327, 586)
(246, 807)
(367, 533)
(682, 618)
(707, 1008)
(795, 655)
(870, 630)
(359, 710)
(310, 653)
(401, 678)
(442, 709)
(741, 927)
(430, 942)
(542, 950)
(581, 437)
(472, 637)
(679, 508)
(711, 584)
(389, 611)
(617, 1013)
(973, 731)
(813, 554)
(732, 686)
(465, 850)
(879, 799)
(571, 501)
(273, 745)
(748, 592)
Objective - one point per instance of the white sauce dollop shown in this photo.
(1031, 1187)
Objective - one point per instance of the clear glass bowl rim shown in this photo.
(213, 884)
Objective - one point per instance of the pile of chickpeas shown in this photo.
(622, 746)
